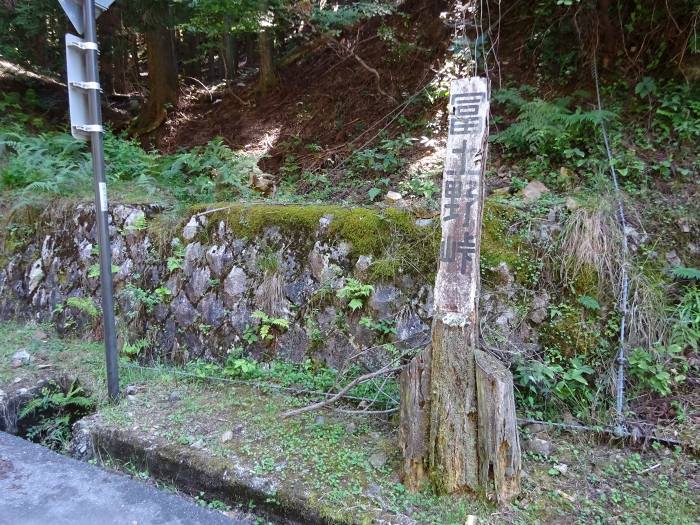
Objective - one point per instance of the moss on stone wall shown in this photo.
(500, 244)
(586, 281)
(390, 236)
(572, 332)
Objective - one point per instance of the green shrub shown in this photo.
(270, 327)
(56, 163)
(676, 108)
(659, 369)
(685, 331)
(148, 299)
(85, 305)
(383, 158)
(547, 128)
(540, 383)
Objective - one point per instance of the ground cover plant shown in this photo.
(348, 463)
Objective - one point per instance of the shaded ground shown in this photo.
(325, 98)
(40, 486)
(345, 467)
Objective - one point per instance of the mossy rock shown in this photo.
(572, 334)
(499, 245)
(19, 228)
(390, 236)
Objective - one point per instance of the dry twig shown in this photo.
(334, 398)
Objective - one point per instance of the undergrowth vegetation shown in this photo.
(48, 417)
(558, 141)
(567, 243)
(305, 377)
(56, 164)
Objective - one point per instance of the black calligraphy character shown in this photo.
(463, 149)
(467, 153)
(463, 153)
(453, 191)
(470, 195)
(465, 119)
(466, 249)
(467, 104)
(448, 249)
(465, 126)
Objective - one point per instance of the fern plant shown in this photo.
(270, 327)
(57, 164)
(547, 128)
(682, 272)
(52, 414)
(84, 305)
(356, 293)
(685, 332)
(176, 260)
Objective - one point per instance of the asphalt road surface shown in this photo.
(40, 487)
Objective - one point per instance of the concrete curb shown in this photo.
(193, 471)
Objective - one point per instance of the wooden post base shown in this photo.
(499, 446)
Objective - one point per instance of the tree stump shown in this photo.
(415, 408)
(499, 445)
(443, 419)
(452, 437)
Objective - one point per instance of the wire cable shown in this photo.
(624, 298)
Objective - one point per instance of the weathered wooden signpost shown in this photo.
(458, 426)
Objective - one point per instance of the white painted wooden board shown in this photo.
(457, 281)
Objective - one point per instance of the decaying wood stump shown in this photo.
(415, 408)
(452, 436)
(499, 445)
(441, 424)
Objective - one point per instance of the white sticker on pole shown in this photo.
(103, 196)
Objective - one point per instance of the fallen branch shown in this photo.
(376, 74)
(334, 398)
(365, 411)
(211, 97)
(302, 51)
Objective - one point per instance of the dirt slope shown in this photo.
(326, 98)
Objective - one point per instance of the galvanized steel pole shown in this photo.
(101, 205)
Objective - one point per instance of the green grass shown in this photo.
(328, 456)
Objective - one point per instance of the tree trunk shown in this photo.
(607, 32)
(267, 79)
(440, 438)
(211, 66)
(107, 27)
(190, 55)
(162, 80)
(38, 47)
(230, 53)
(121, 65)
(136, 73)
(452, 439)
(415, 410)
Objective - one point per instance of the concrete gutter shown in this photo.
(195, 471)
